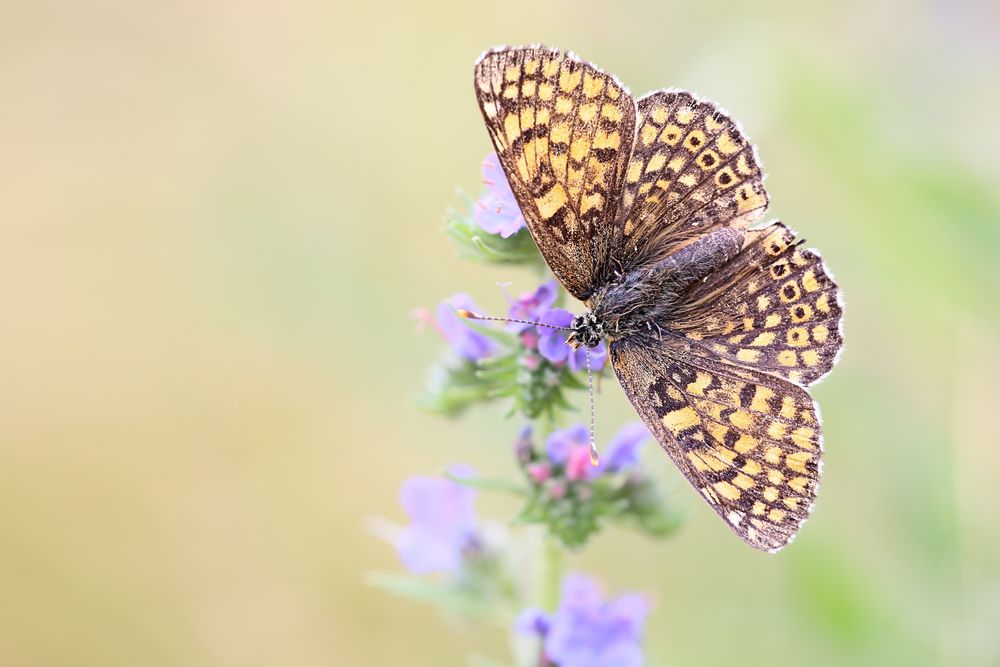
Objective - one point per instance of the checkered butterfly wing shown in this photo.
(607, 185)
(563, 132)
(692, 170)
(749, 442)
(774, 307)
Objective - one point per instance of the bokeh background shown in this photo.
(216, 216)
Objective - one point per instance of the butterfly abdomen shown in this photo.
(645, 297)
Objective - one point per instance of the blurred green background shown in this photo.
(216, 216)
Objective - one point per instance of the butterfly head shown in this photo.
(587, 330)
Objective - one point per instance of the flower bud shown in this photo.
(529, 338)
(531, 361)
(524, 450)
(578, 464)
(540, 472)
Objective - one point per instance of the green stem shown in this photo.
(553, 568)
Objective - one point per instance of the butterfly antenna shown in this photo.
(469, 315)
(594, 458)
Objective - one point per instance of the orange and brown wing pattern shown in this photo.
(749, 442)
(691, 170)
(774, 307)
(563, 131)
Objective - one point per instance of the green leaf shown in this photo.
(486, 484)
(425, 589)
(478, 245)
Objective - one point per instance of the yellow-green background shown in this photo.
(216, 216)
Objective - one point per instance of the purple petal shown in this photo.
(531, 305)
(587, 631)
(623, 450)
(442, 523)
(598, 355)
(552, 345)
(556, 317)
(438, 502)
(467, 342)
(562, 442)
(622, 654)
(631, 611)
(497, 211)
(580, 593)
(424, 555)
(532, 621)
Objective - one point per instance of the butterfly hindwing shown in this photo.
(691, 170)
(563, 131)
(775, 307)
(749, 442)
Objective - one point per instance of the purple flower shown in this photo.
(497, 211)
(531, 306)
(466, 341)
(552, 343)
(587, 630)
(623, 450)
(578, 357)
(442, 526)
(570, 447)
(561, 443)
(532, 621)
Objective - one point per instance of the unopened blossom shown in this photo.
(539, 472)
(578, 466)
(524, 446)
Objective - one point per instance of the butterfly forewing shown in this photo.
(748, 442)
(563, 131)
(691, 170)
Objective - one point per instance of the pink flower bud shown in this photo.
(539, 472)
(578, 464)
(531, 361)
(557, 490)
(529, 338)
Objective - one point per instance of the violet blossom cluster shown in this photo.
(474, 568)
(574, 499)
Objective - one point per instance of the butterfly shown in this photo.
(645, 211)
